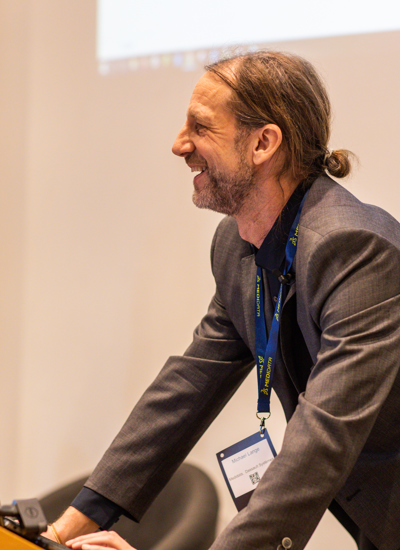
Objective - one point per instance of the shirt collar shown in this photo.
(271, 253)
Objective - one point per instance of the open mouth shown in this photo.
(199, 168)
(197, 179)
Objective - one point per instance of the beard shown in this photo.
(226, 192)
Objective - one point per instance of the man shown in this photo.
(257, 131)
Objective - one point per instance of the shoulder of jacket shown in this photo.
(330, 207)
(227, 244)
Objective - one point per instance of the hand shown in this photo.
(99, 541)
(71, 524)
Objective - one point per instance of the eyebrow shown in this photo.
(198, 115)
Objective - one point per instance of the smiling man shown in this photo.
(307, 288)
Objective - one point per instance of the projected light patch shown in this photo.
(133, 34)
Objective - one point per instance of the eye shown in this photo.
(199, 128)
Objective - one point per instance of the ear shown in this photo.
(267, 141)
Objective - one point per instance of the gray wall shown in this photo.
(104, 261)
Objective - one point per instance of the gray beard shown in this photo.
(226, 193)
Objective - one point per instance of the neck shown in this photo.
(256, 218)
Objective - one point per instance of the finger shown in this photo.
(102, 539)
(99, 535)
(92, 538)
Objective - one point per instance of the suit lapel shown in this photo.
(248, 274)
(248, 282)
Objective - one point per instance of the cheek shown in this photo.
(232, 161)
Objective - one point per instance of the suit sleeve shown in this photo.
(352, 290)
(173, 413)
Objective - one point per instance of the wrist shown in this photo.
(72, 524)
(55, 534)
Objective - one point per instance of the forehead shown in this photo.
(210, 100)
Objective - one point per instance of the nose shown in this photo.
(183, 145)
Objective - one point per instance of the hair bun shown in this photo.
(338, 162)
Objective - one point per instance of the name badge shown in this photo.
(243, 465)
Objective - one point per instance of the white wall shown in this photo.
(104, 261)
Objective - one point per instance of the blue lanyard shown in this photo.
(266, 349)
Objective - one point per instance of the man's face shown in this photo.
(212, 145)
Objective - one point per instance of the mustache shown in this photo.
(194, 158)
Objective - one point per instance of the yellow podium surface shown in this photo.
(12, 541)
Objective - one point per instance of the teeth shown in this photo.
(198, 168)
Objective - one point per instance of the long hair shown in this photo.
(284, 89)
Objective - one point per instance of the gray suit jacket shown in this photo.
(337, 378)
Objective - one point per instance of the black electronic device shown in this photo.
(24, 519)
